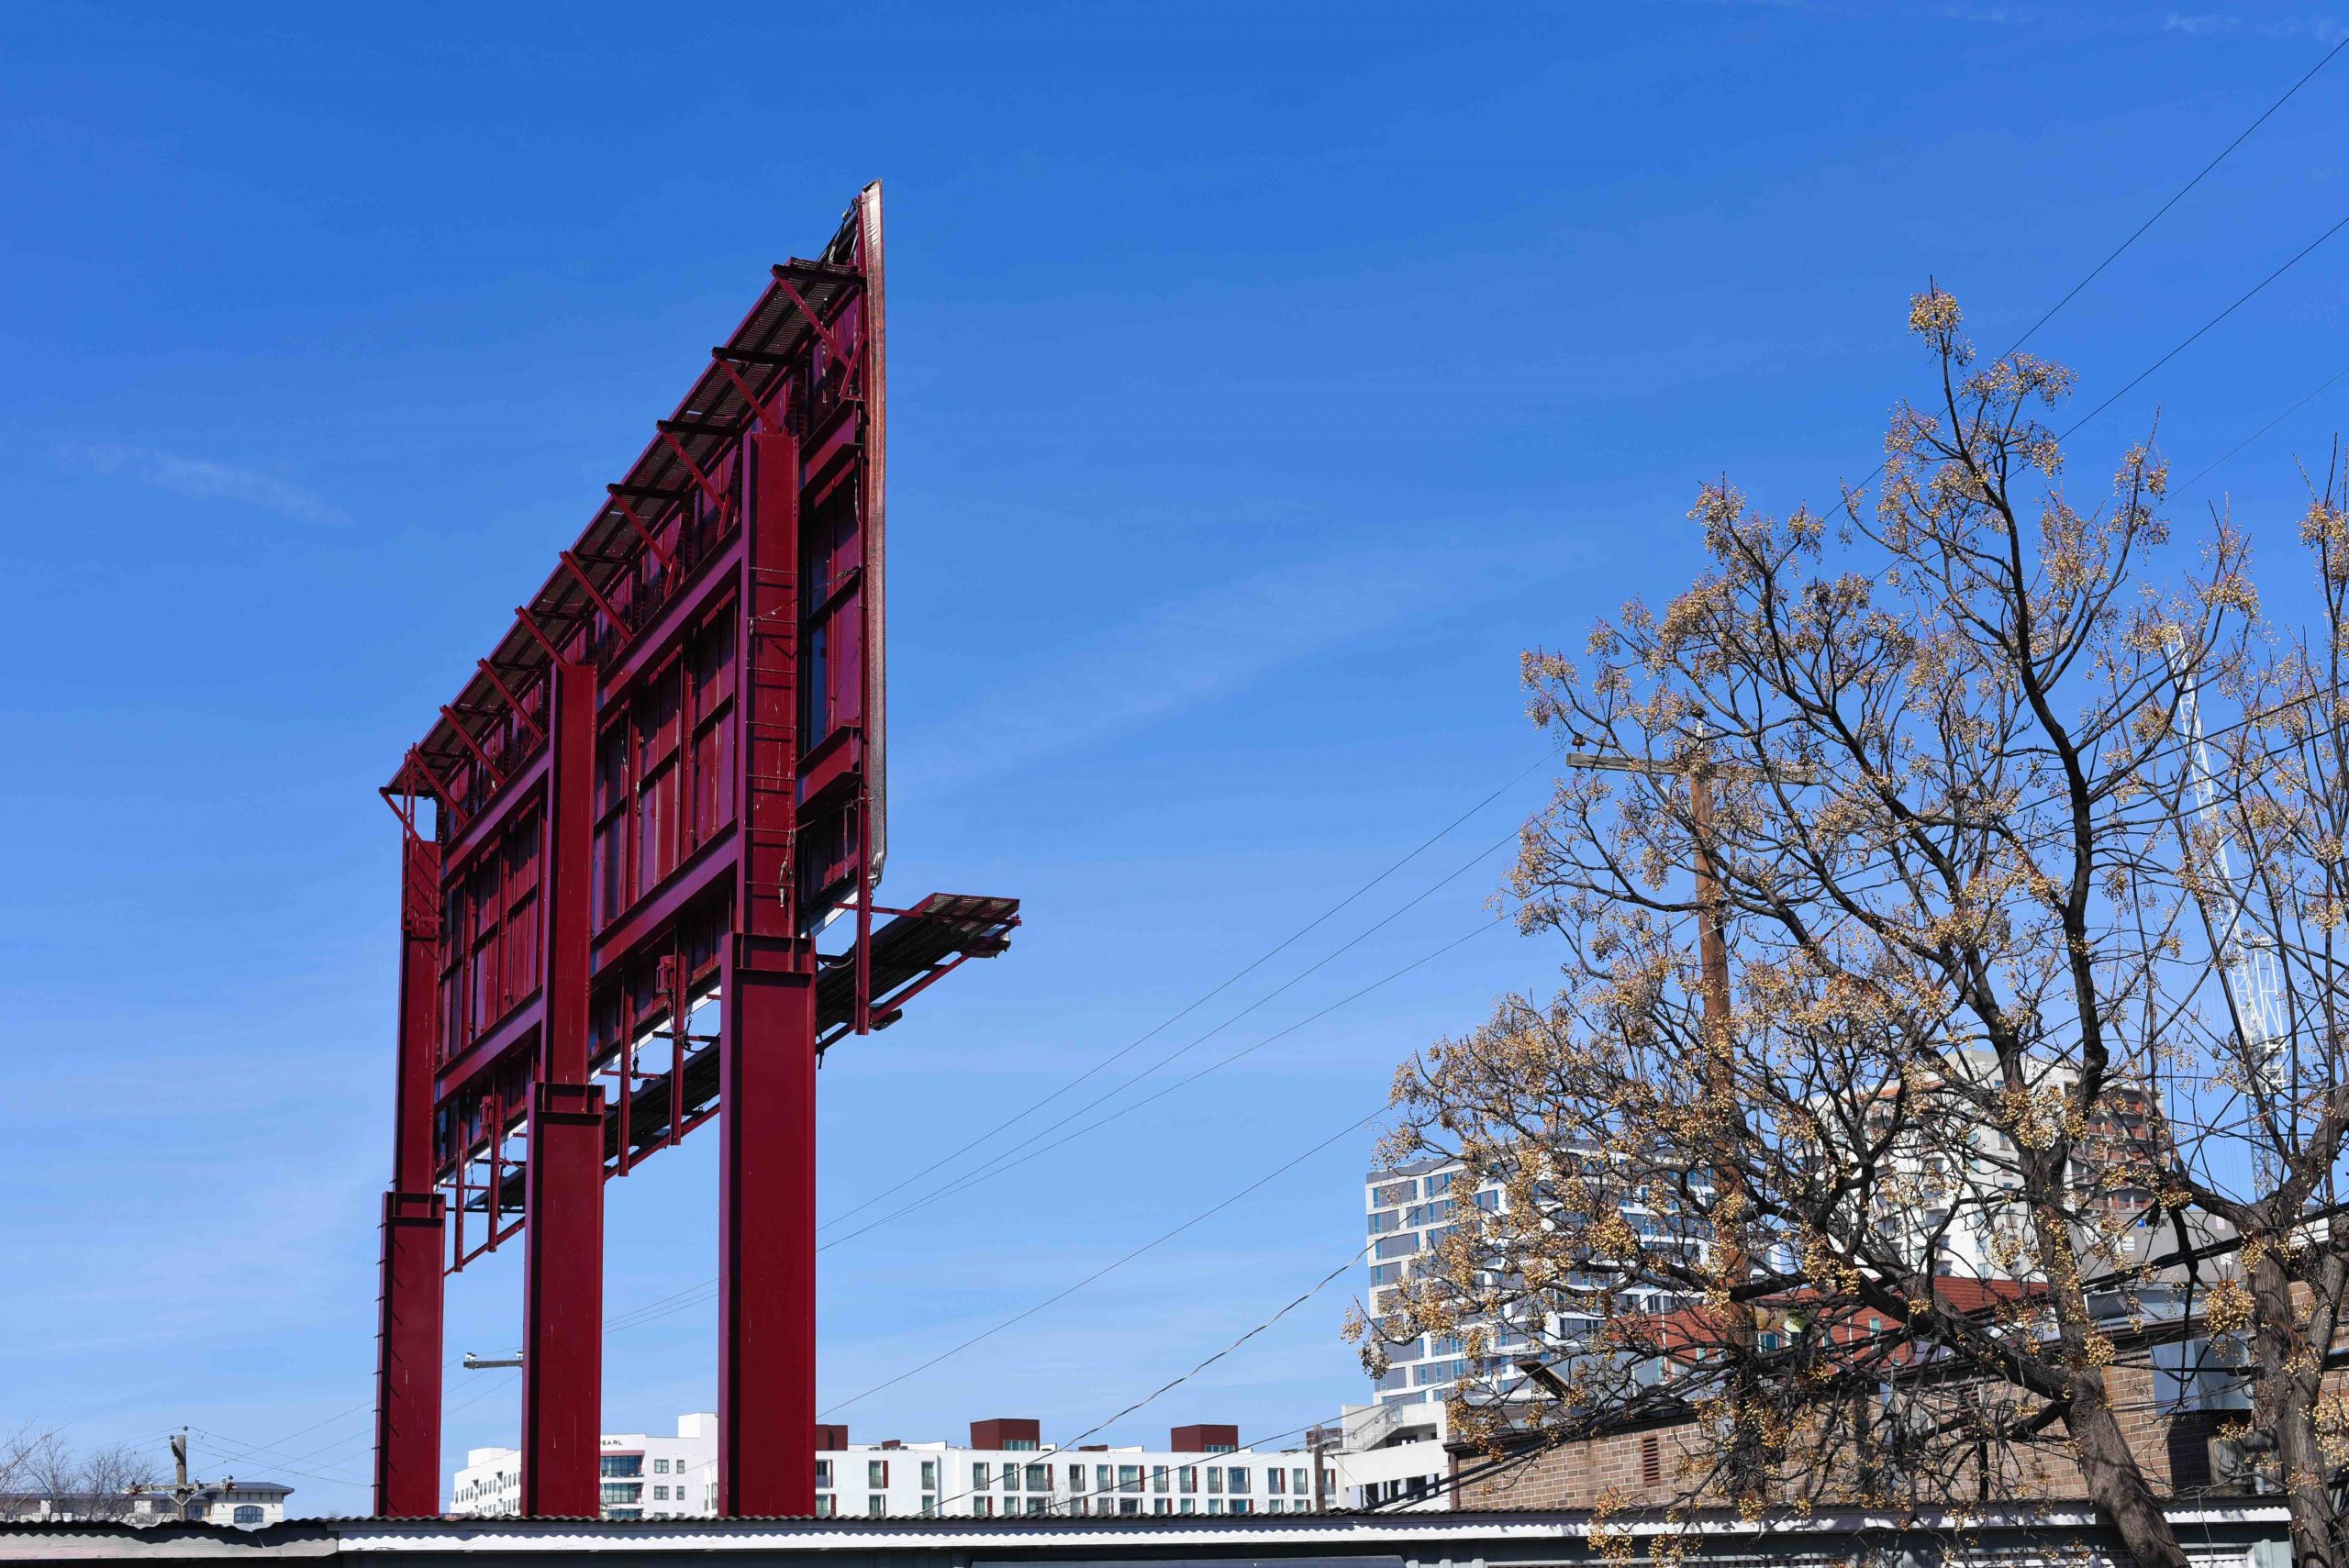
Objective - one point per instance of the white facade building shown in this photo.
(236, 1503)
(1391, 1457)
(1411, 1209)
(646, 1475)
(1952, 1204)
(1006, 1470)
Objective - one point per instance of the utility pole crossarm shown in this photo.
(1740, 772)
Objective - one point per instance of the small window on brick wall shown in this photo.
(1650, 1460)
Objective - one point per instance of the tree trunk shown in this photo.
(2283, 1406)
(2115, 1484)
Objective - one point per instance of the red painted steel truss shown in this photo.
(638, 856)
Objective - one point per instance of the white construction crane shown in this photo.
(2255, 980)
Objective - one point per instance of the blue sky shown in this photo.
(1264, 381)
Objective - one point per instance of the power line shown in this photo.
(665, 1306)
(1068, 1444)
(1209, 1213)
(2186, 343)
(1001, 1163)
(2263, 429)
(231, 1449)
(1254, 964)
(2177, 196)
(1315, 1288)
(1179, 1084)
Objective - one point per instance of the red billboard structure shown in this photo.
(638, 856)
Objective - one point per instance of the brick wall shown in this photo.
(1656, 1465)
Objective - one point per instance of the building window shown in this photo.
(982, 1505)
(1158, 1505)
(247, 1514)
(1186, 1505)
(1019, 1445)
(876, 1472)
(1130, 1505)
(623, 1464)
(2202, 1374)
(1215, 1478)
(1040, 1478)
(660, 1493)
(929, 1475)
(1187, 1479)
(928, 1503)
(1274, 1479)
(1039, 1505)
(1300, 1483)
(981, 1475)
(872, 1504)
(1239, 1505)
(1100, 1478)
(623, 1491)
(660, 1467)
(823, 1473)
(1129, 1478)
(1158, 1479)
(1077, 1478)
(1239, 1478)
(1215, 1504)
(826, 1507)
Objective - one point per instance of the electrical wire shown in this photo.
(2178, 195)
(1182, 1051)
(2189, 341)
(1185, 1083)
(2263, 429)
(1254, 964)
(665, 1306)
(1069, 1444)
(231, 1449)
(1160, 1240)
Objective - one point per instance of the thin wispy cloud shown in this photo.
(2196, 24)
(202, 479)
(2324, 29)
(1187, 652)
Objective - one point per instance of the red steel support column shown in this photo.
(562, 1277)
(767, 1336)
(407, 1347)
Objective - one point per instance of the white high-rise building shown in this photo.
(1412, 1208)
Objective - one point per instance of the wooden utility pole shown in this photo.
(1729, 1195)
(183, 1491)
(1732, 1257)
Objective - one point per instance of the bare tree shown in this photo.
(42, 1474)
(1927, 761)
